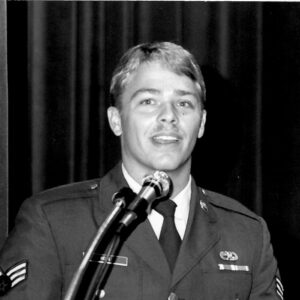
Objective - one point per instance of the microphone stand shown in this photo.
(123, 228)
(96, 283)
(134, 215)
(155, 187)
(119, 206)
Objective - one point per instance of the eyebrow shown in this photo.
(157, 92)
(185, 93)
(145, 90)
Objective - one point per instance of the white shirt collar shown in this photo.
(182, 201)
(135, 186)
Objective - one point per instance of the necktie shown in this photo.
(169, 237)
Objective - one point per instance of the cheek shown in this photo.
(133, 132)
(140, 126)
(129, 126)
(193, 129)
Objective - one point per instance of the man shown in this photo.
(225, 250)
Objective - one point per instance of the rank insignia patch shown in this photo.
(279, 288)
(13, 276)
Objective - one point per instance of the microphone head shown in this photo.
(161, 182)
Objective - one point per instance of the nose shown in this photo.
(168, 113)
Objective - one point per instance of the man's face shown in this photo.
(160, 120)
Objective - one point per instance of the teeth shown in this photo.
(166, 138)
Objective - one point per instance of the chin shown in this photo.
(166, 166)
(170, 163)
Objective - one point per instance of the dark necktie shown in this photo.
(169, 237)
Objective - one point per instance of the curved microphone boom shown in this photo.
(154, 187)
(120, 200)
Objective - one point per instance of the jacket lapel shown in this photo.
(201, 235)
(111, 183)
(142, 241)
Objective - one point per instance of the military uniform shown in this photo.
(225, 254)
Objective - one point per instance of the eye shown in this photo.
(186, 104)
(148, 101)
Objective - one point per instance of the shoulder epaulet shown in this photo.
(70, 190)
(227, 203)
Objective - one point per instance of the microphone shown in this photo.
(123, 197)
(156, 186)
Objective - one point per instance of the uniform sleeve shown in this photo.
(30, 268)
(266, 278)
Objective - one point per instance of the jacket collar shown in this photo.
(111, 183)
(202, 233)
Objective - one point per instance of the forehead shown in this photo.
(158, 76)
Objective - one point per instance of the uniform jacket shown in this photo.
(225, 254)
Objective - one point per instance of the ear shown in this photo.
(114, 120)
(202, 125)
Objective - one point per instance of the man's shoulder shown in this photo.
(227, 204)
(76, 190)
(75, 194)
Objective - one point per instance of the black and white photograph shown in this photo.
(149, 150)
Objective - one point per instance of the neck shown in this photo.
(180, 177)
(179, 182)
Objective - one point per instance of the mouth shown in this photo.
(166, 139)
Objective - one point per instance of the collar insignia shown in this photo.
(203, 206)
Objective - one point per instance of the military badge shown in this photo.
(229, 255)
(223, 267)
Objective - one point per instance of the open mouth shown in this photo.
(165, 139)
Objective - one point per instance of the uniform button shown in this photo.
(94, 186)
(102, 294)
(173, 296)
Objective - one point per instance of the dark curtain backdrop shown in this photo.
(61, 56)
(3, 126)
